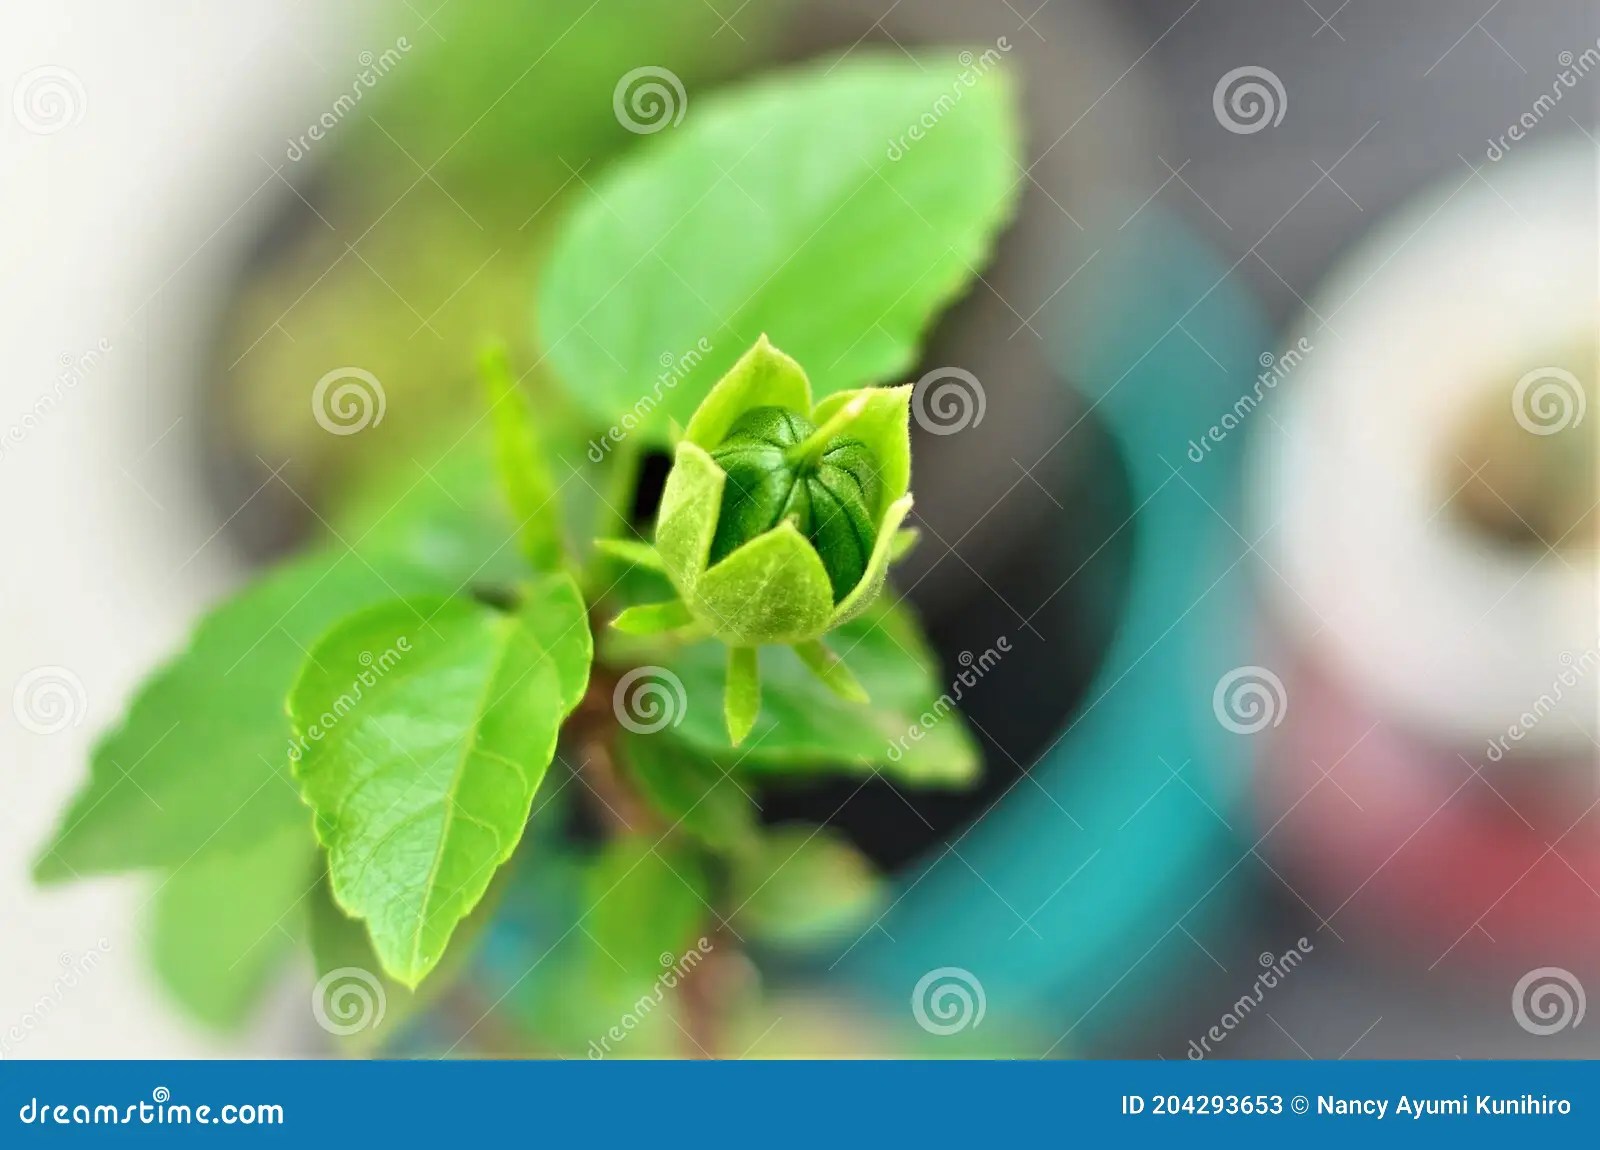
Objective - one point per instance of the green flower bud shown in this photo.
(778, 516)
(828, 490)
(779, 519)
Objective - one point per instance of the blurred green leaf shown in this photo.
(427, 726)
(803, 886)
(689, 790)
(831, 671)
(642, 932)
(220, 924)
(523, 466)
(777, 209)
(654, 618)
(647, 902)
(495, 93)
(447, 514)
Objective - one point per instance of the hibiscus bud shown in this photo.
(779, 469)
(779, 519)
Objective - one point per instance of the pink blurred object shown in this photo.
(1422, 845)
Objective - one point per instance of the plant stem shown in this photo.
(593, 730)
(704, 998)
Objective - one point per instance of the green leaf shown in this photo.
(200, 763)
(646, 905)
(219, 925)
(802, 886)
(523, 467)
(831, 671)
(653, 618)
(741, 694)
(912, 730)
(777, 208)
(446, 514)
(421, 763)
(353, 1000)
(905, 541)
(632, 551)
(689, 790)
